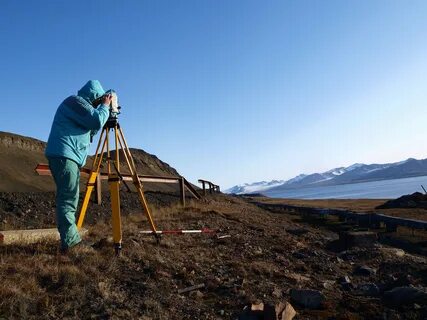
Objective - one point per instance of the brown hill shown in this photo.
(20, 155)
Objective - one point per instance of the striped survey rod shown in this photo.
(179, 231)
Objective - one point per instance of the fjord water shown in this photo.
(384, 189)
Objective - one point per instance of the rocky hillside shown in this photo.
(20, 155)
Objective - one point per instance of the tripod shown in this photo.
(114, 179)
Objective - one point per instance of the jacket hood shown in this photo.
(91, 90)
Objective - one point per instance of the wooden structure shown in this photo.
(43, 170)
(370, 219)
(212, 187)
(31, 236)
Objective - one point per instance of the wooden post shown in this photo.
(182, 191)
(98, 191)
(210, 187)
(204, 188)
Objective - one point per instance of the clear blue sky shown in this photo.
(230, 91)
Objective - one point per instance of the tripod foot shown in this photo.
(118, 248)
(158, 237)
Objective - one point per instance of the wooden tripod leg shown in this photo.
(114, 182)
(146, 209)
(136, 181)
(92, 180)
(89, 188)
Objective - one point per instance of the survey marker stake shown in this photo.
(179, 231)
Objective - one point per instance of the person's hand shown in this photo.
(107, 99)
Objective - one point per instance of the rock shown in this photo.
(368, 289)
(258, 311)
(405, 295)
(328, 284)
(345, 283)
(393, 251)
(285, 311)
(258, 251)
(297, 277)
(257, 306)
(311, 299)
(364, 271)
(196, 294)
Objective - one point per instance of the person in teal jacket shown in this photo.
(75, 123)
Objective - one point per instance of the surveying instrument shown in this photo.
(114, 177)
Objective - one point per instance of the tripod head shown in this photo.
(113, 107)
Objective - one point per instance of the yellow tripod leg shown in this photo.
(146, 209)
(92, 180)
(114, 183)
(89, 189)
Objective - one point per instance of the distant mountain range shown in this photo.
(355, 173)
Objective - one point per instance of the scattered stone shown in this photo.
(297, 277)
(285, 311)
(188, 289)
(311, 299)
(345, 283)
(393, 251)
(405, 295)
(258, 311)
(345, 279)
(196, 294)
(364, 271)
(257, 306)
(368, 289)
(258, 251)
(328, 284)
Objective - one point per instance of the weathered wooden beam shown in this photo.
(31, 236)
(191, 189)
(98, 191)
(182, 191)
(372, 218)
(43, 170)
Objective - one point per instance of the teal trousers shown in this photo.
(66, 174)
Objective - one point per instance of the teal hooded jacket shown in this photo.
(75, 122)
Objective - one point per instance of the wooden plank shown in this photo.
(191, 189)
(31, 236)
(43, 170)
(188, 289)
(98, 191)
(182, 191)
(345, 214)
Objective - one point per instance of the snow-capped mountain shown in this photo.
(254, 187)
(357, 172)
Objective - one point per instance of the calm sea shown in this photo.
(366, 190)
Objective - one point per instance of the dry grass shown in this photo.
(255, 263)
